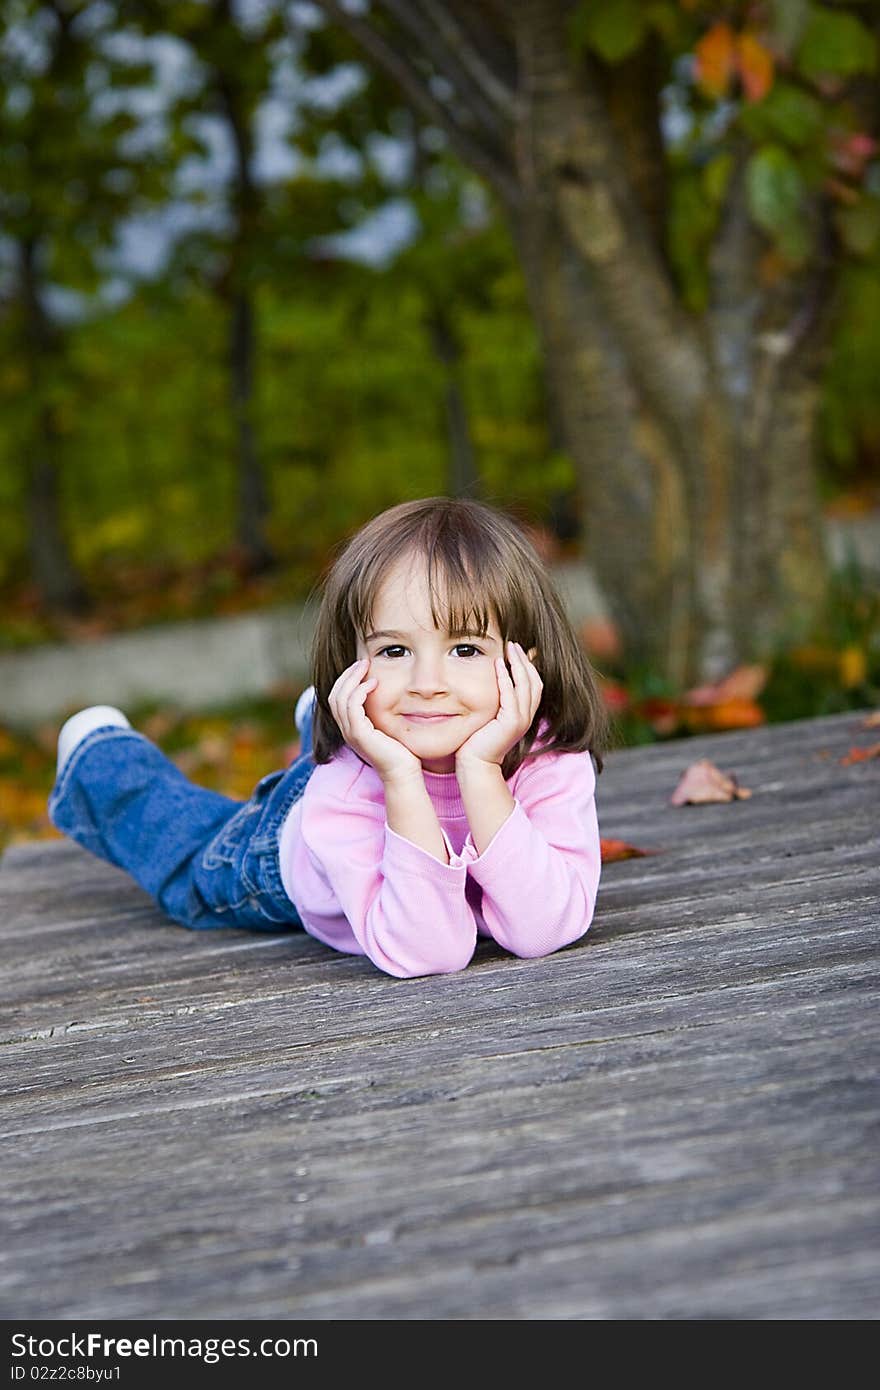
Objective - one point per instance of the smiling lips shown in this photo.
(429, 718)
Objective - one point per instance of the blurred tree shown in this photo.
(67, 180)
(681, 180)
(232, 74)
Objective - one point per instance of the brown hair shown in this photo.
(479, 566)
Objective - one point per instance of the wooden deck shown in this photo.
(676, 1118)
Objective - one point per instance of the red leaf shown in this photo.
(851, 151)
(615, 696)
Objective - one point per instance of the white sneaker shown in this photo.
(78, 725)
(303, 705)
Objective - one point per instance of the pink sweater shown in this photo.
(360, 887)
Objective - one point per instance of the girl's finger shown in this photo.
(357, 697)
(519, 669)
(529, 684)
(351, 675)
(506, 689)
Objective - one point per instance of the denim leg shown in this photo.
(205, 858)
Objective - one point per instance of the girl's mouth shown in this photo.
(428, 718)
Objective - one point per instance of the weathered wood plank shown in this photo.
(677, 1117)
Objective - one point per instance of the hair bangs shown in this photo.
(459, 604)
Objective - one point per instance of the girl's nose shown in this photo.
(427, 676)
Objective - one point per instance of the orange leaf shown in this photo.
(726, 714)
(872, 721)
(612, 850)
(715, 56)
(755, 64)
(703, 782)
(861, 755)
(744, 683)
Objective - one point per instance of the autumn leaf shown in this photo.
(755, 66)
(703, 782)
(613, 850)
(872, 721)
(661, 714)
(743, 683)
(860, 755)
(727, 704)
(716, 58)
(726, 714)
(615, 695)
(851, 151)
(853, 666)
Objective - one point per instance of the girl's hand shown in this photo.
(391, 760)
(520, 690)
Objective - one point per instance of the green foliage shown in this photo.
(787, 113)
(859, 225)
(611, 28)
(835, 44)
(777, 200)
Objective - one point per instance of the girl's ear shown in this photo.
(532, 653)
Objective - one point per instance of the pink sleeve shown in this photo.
(540, 872)
(368, 890)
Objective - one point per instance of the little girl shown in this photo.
(446, 785)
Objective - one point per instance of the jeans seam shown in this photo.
(92, 738)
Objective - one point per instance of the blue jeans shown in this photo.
(207, 860)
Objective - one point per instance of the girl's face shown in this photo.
(435, 688)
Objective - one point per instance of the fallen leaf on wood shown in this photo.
(612, 850)
(703, 782)
(872, 721)
(861, 755)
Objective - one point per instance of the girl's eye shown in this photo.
(467, 649)
(392, 651)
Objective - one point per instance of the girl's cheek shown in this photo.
(373, 703)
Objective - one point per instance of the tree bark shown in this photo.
(252, 492)
(464, 478)
(692, 437)
(51, 565)
(253, 502)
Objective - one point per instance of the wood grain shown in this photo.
(678, 1117)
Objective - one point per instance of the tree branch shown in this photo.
(500, 92)
(436, 51)
(487, 162)
(569, 154)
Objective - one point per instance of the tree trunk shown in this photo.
(693, 437)
(464, 478)
(696, 494)
(51, 565)
(253, 500)
(253, 504)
